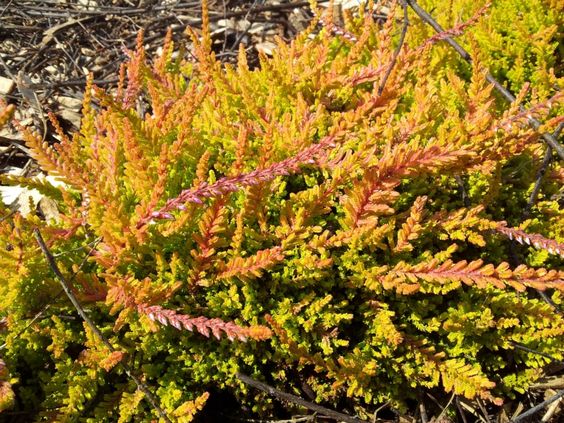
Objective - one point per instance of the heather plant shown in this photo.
(338, 220)
(520, 40)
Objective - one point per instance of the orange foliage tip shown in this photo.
(245, 267)
(327, 22)
(6, 114)
(7, 396)
(227, 184)
(3, 370)
(337, 30)
(407, 279)
(535, 240)
(204, 325)
(111, 360)
(367, 74)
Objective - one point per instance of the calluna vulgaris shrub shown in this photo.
(308, 222)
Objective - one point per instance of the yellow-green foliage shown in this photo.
(520, 39)
(325, 233)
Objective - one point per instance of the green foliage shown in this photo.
(322, 229)
(520, 39)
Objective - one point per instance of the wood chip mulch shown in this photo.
(47, 48)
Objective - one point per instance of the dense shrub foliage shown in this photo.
(312, 222)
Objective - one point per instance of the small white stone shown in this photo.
(266, 47)
(6, 85)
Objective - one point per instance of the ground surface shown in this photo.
(47, 47)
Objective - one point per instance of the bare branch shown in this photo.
(151, 399)
(538, 407)
(398, 48)
(549, 139)
(540, 174)
(297, 400)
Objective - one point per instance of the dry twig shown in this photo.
(297, 400)
(537, 408)
(422, 13)
(398, 48)
(55, 269)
